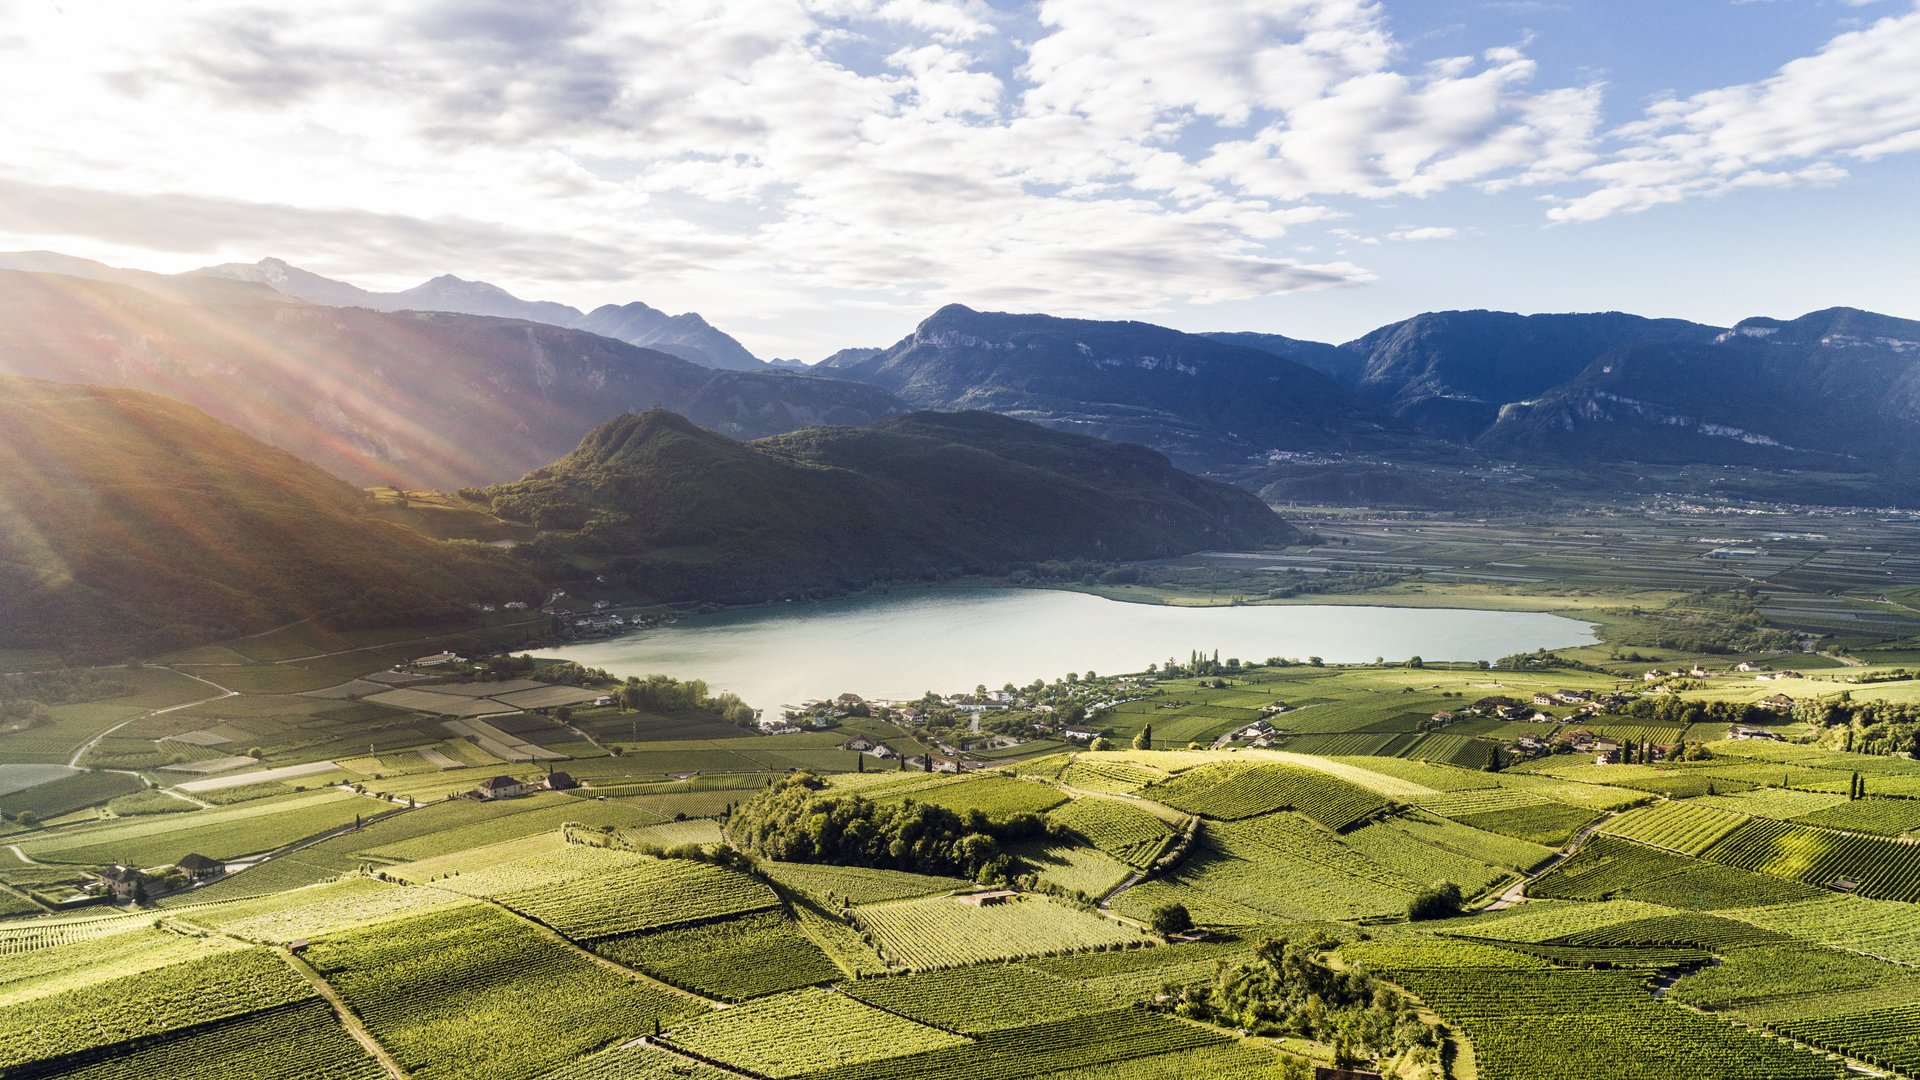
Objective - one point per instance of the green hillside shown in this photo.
(133, 523)
(681, 513)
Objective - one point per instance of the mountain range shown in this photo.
(1835, 390)
(483, 385)
(419, 398)
(656, 504)
(687, 336)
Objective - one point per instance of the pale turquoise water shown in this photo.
(904, 644)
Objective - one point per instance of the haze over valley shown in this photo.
(939, 539)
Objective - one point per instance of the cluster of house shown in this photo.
(506, 787)
(860, 744)
(1698, 672)
(130, 884)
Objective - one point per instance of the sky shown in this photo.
(816, 174)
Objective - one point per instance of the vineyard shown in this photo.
(1889, 1038)
(1114, 1035)
(220, 833)
(1232, 790)
(639, 1062)
(749, 956)
(1605, 867)
(1576, 1025)
(648, 895)
(1325, 879)
(942, 932)
(803, 1033)
(1719, 908)
(977, 999)
(1867, 866)
(1887, 817)
(1681, 827)
(1104, 775)
(1126, 832)
(306, 1040)
(81, 1021)
(425, 986)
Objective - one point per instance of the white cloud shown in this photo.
(1857, 99)
(747, 157)
(1427, 232)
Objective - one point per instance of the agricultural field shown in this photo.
(545, 937)
(804, 1032)
(219, 833)
(944, 932)
(734, 959)
(1117, 827)
(426, 986)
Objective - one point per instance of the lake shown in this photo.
(906, 643)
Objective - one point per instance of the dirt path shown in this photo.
(348, 1019)
(74, 761)
(23, 856)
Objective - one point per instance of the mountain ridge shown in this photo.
(688, 335)
(676, 512)
(422, 399)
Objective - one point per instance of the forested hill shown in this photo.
(132, 522)
(679, 513)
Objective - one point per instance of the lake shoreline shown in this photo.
(900, 643)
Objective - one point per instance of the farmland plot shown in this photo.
(804, 1032)
(448, 993)
(942, 932)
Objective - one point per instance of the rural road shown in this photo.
(74, 761)
(1518, 892)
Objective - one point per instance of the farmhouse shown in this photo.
(1080, 734)
(559, 781)
(1777, 701)
(125, 884)
(199, 867)
(499, 787)
(438, 659)
(859, 744)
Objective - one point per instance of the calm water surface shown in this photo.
(906, 643)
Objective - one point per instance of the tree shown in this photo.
(27, 818)
(1416, 662)
(1170, 919)
(1100, 743)
(1144, 740)
(1441, 900)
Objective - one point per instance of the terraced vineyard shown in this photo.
(525, 939)
(1128, 833)
(1232, 790)
(1867, 865)
(425, 985)
(648, 895)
